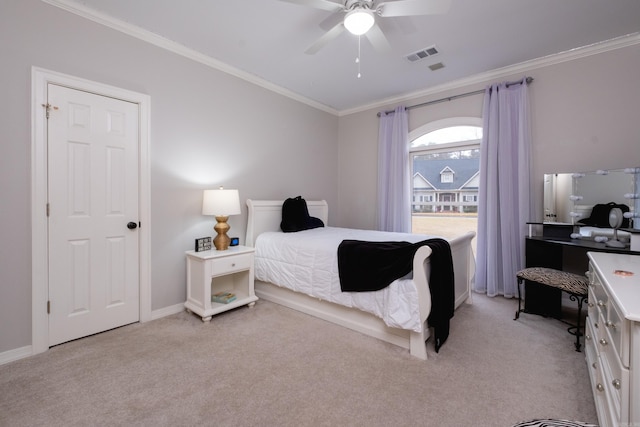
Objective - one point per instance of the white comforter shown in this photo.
(307, 262)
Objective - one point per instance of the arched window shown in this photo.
(445, 163)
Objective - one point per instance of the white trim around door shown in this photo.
(40, 78)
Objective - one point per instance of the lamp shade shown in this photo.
(359, 21)
(221, 202)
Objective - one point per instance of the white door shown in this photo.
(93, 208)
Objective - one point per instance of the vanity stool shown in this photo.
(573, 284)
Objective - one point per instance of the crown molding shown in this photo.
(523, 67)
(481, 78)
(177, 48)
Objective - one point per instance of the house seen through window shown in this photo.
(445, 169)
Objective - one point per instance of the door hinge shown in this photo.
(48, 209)
(48, 307)
(48, 108)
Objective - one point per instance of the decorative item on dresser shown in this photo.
(612, 337)
(400, 320)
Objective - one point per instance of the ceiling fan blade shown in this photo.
(413, 7)
(378, 39)
(326, 38)
(318, 4)
(332, 20)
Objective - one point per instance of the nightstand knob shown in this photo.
(600, 303)
(600, 387)
(590, 304)
(587, 337)
(603, 341)
(616, 383)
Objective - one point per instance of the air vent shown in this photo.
(421, 54)
(434, 67)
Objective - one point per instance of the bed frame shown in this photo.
(265, 215)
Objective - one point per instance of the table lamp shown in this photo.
(221, 203)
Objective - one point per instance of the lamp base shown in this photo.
(221, 241)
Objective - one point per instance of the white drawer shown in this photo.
(593, 310)
(618, 329)
(230, 264)
(598, 295)
(615, 379)
(594, 367)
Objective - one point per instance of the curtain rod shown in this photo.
(451, 98)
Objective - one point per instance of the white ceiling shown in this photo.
(265, 40)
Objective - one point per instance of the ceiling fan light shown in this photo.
(359, 21)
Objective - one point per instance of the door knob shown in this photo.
(132, 225)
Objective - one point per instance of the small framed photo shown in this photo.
(203, 244)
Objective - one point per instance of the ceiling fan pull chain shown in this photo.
(358, 58)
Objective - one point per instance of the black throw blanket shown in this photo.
(371, 266)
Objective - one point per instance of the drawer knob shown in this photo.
(603, 341)
(593, 365)
(587, 337)
(600, 303)
(233, 264)
(610, 324)
(590, 304)
(616, 383)
(599, 387)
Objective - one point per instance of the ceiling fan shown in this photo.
(360, 17)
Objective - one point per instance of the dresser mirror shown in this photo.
(570, 197)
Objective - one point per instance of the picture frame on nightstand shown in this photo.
(203, 244)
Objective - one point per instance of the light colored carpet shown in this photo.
(272, 366)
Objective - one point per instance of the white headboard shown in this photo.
(266, 215)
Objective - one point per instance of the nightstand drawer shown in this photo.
(230, 264)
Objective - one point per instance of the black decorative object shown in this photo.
(203, 244)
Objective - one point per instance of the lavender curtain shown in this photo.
(394, 189)
(504, 206)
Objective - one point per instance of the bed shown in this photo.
(264, 218)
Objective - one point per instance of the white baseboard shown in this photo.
(26, 351)
(167, 311)
(15, 354)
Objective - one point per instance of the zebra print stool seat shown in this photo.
(575, 285)
(553, 423)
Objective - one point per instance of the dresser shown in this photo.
(612, 337)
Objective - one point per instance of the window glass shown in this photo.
(445, 161)
(448, 135)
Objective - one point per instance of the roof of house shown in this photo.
(463, 170)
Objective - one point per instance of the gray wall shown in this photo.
(584, 113)
(207, 129)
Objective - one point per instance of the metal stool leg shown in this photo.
(578, 328)
(519, 299)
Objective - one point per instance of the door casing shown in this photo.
(40, 78)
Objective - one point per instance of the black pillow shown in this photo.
(295, 216)
(600, 215)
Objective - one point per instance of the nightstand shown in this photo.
(213, 271)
